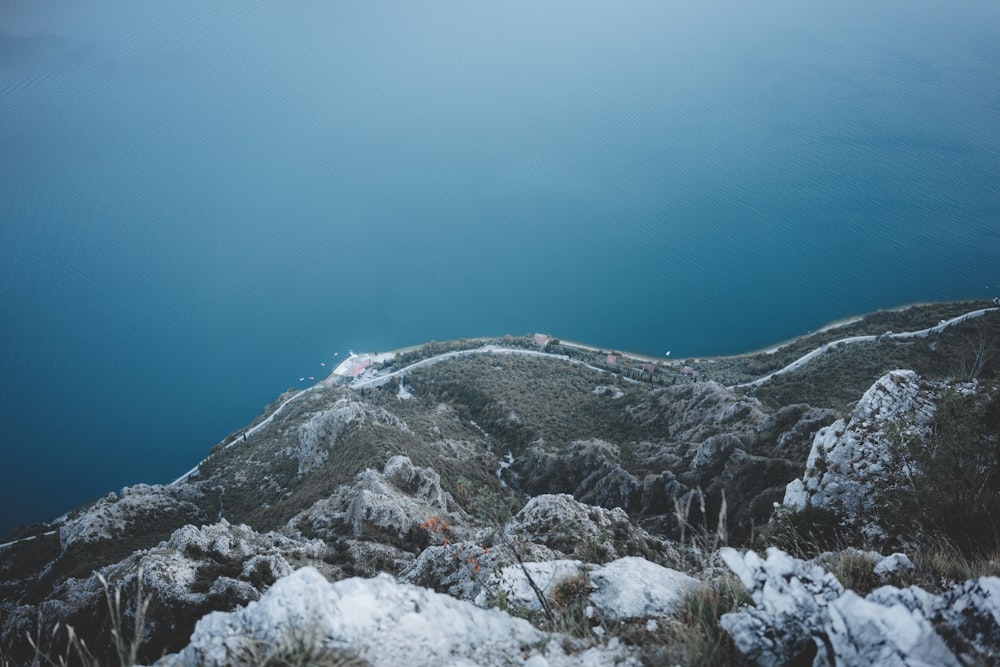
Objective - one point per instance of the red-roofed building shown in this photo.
(358, 368)
(612, 360)
(541, 340)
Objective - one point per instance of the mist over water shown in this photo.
(201, 202)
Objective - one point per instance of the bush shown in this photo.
(807, 533)
(955, 478)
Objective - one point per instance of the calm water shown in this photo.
(200, 202)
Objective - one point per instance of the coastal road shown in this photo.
(379, 380)
(376, 381)
(250, 431)
(494, 349)
(27, 539)
(922, 333)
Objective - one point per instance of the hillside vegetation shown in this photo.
(465, 475)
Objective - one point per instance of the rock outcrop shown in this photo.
(851, 464)
(590, 470)
(633, 588)
(584, 532)
(381, 622)
(548, 529)
(626, 589)
(385, 507)
(215, 567)
(317, 435)
(802, 615)
(113, 516)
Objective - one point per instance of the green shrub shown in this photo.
(955, 472)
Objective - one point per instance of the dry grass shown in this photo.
(304, 650)
(854, 569)
(125, 641)
(570, 602)
(699, 535)
(695, 638)
(940, 564)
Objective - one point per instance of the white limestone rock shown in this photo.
(893, 565)
(850, 465)
(182, 569)
(967, 616)
(382, 622)
(585, 532)
(197, 570)
(549, 528)
(713, 451)
(367, 559)
(457, 568)
(387, 507)
(970, 616)
(790, 598)
(634, 588)
(625, 589)
(382, 508)
(512, 582)
(802, 613)
(112, 516)
(861, 632)
(318, 434)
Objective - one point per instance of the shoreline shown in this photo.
(679, 359)
(771, 349)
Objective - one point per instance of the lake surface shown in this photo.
(201, 202)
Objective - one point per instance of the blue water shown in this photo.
(200, 202)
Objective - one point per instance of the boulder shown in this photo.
(458, 568)
(857, 631)
(851, 464)
(388, 507)
(214, 567)
(585, 532)
(381, 622)
(892, 566)
(626, 589)
(790, 599)
(633, 588)
(511, 582)
(802, 615)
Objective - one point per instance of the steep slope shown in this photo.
(445, 474)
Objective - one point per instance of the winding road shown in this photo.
(379, 380)
(922, 333)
